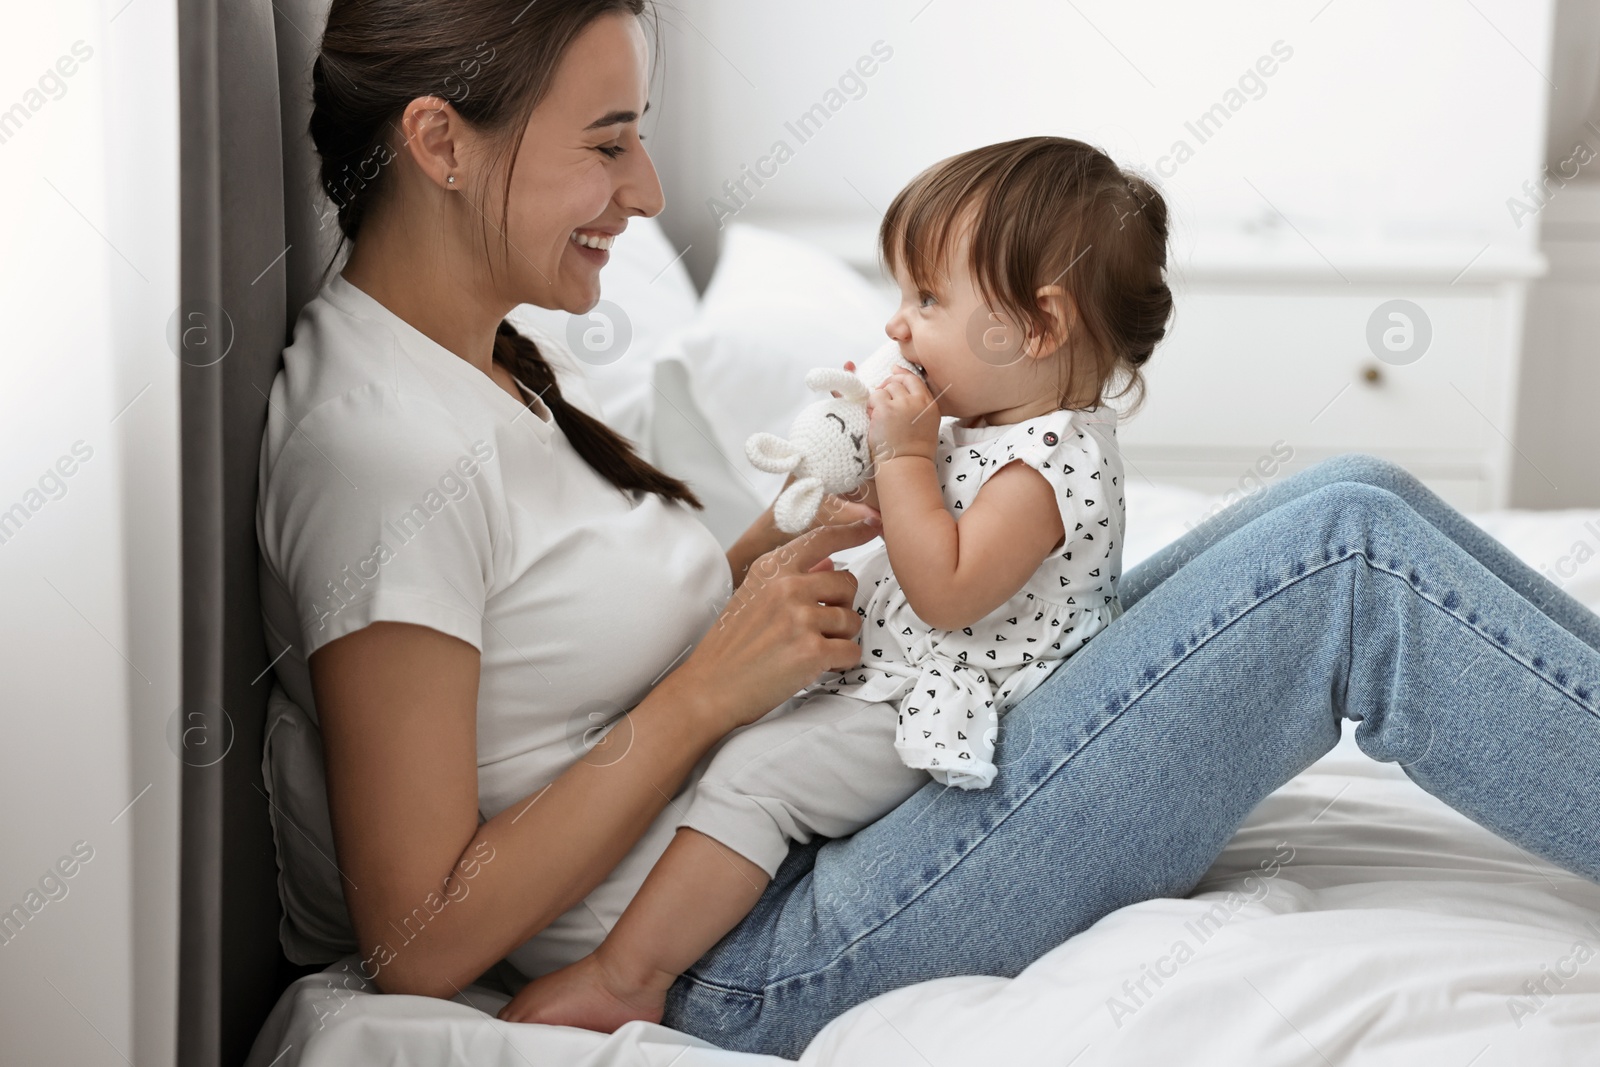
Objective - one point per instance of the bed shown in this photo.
(1353, 919)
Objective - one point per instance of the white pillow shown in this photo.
(645, 295)
(776, 307)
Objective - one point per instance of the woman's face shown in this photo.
(582, 170)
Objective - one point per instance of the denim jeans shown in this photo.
(1346, 590)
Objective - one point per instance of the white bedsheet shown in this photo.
(1386, 929)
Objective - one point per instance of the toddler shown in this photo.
(1032, 291)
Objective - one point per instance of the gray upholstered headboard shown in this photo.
(251, 245)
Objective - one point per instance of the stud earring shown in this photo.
(451, 179)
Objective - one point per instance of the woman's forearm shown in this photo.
(762, 537)
(535, 860)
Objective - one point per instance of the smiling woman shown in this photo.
(432, 709)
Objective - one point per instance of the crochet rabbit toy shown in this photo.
(827, 445)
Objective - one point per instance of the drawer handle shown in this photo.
(1372, 375)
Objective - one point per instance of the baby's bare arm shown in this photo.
(955, 573)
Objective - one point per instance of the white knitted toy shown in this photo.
(827, 445)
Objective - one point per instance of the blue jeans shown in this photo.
(1346, 590)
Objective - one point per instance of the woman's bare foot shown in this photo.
(586, 994)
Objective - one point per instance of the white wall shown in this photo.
(89, 567)
(1410, 121)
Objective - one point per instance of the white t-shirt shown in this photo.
(398, 482)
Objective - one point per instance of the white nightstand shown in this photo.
(1278, 347)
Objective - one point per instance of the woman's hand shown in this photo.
(763, 535)
(904, 418)
(792, 618)
(842, 509)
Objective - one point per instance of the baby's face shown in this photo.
(971, 357)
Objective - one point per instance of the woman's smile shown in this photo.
(593, 245)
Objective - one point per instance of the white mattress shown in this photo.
(1387, 929)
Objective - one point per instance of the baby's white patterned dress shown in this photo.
(952, 686)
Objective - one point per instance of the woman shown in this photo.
(472, 571)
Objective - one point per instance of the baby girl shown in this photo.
(1030, 275)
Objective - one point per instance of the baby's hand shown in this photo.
(904, 418)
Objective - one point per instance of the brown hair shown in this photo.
(1047, 210)
(494, 60)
